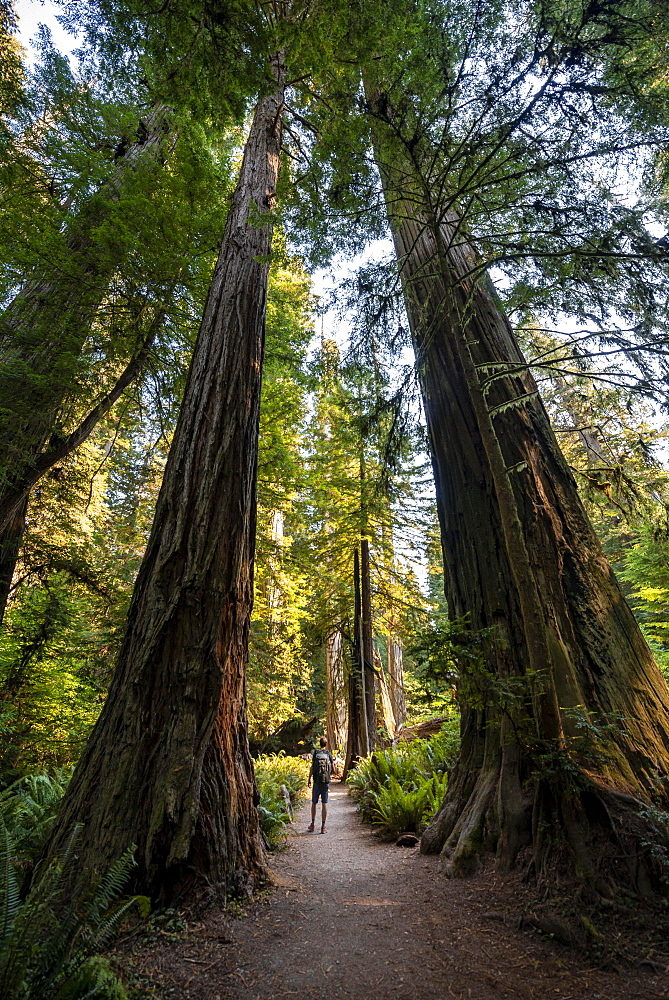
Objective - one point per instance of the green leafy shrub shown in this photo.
(399, 788)
(273, 771)
(49, 946)
(28, 808)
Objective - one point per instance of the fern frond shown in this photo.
(113, 884)
(9, 888)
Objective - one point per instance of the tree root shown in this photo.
(593, 836)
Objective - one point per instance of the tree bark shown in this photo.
(335, 715)
(396, 681)
(357, 743)
(521, 558)
(367, 643)
(167, 766)
(10, 545)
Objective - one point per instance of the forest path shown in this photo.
(354, 919)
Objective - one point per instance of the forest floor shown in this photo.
(351, 918)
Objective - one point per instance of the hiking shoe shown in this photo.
(310, 828)
(323, 829)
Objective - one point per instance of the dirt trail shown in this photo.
(354, 919)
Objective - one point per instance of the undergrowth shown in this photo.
(400, 788)
(274, 773)
(49, 946)
(28, 808)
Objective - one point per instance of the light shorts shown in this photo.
(319, 791)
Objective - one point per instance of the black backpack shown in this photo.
(322, 767)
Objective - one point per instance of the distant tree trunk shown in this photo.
(10, 545)
(43, 332)
(396, 680)
(357, 744)
(367, 643)
(384, 697)
(167, 766)
(520, 557)
(335, 691)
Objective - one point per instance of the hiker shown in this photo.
(322, 767)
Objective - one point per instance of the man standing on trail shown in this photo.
(322, 766)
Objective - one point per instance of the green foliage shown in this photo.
(272, 772)
(447, 654)
(646, 571)
(401, 787)
(96, 978)
(47, 942)
(589, 745)
(28, 808)
(398, 808)
(279, 672)
(48, 653)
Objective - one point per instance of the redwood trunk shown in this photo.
(167, 766)
(367, 643)
(396, 681)
(10, 545)
(597, 661)
(335, 716)
(357, 744)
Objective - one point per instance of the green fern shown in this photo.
(95, 979)
(28, 808)
(398, 809)
(46, 942)
(399, 787)
(272, 771)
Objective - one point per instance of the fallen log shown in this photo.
(293, 737)
(421, 731)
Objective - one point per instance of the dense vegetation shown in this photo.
(389, 531)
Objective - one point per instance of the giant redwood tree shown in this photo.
(167, 767)
(565, 655)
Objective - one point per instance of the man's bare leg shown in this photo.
(324, 813)
(313, 815)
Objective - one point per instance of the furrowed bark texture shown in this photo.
(598, 657)
(367, 642)
(168, 765)
(357, 742)
(335, 716)
(597, 661)
(396, 680)
(44, 329)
